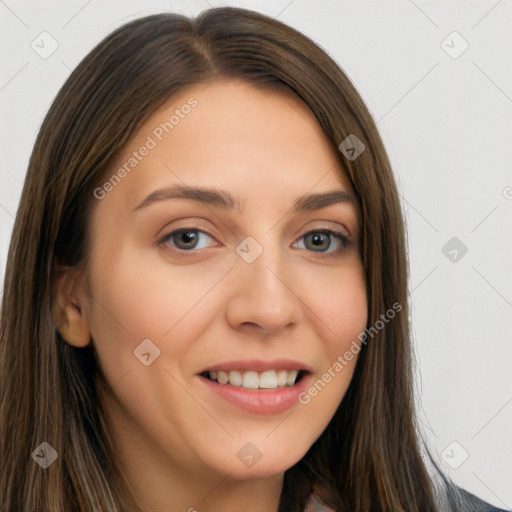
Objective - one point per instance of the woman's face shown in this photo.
(256, 287)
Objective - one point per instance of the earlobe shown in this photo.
(68, 311)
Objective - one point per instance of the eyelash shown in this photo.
(343, 241)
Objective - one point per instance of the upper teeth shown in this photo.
(270, 379)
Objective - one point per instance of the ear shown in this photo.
(68, 307)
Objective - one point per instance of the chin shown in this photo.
(249, 463)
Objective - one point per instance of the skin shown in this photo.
(177, 441)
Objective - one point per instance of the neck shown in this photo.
(221, 495)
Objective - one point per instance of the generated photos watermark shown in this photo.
(343, 360)
(157, 135)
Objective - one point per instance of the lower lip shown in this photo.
(265, 401)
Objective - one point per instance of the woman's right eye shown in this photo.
(186, 239)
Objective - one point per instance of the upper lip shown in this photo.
(258, 365)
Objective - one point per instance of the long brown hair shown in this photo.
(369, 457)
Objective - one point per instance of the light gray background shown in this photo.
(447, 125)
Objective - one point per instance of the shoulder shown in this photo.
(315, 504)
(468, 503)
(473, 503)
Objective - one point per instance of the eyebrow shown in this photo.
(223, 199)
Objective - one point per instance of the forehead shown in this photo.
(232, 135)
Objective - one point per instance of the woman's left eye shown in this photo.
(186, 239)
(321, 241)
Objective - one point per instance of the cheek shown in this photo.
(338, 306)
(135, 301)
(338, 302)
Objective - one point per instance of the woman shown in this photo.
(205, 304)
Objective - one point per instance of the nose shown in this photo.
(264, 297)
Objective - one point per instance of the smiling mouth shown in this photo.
(270, 379)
